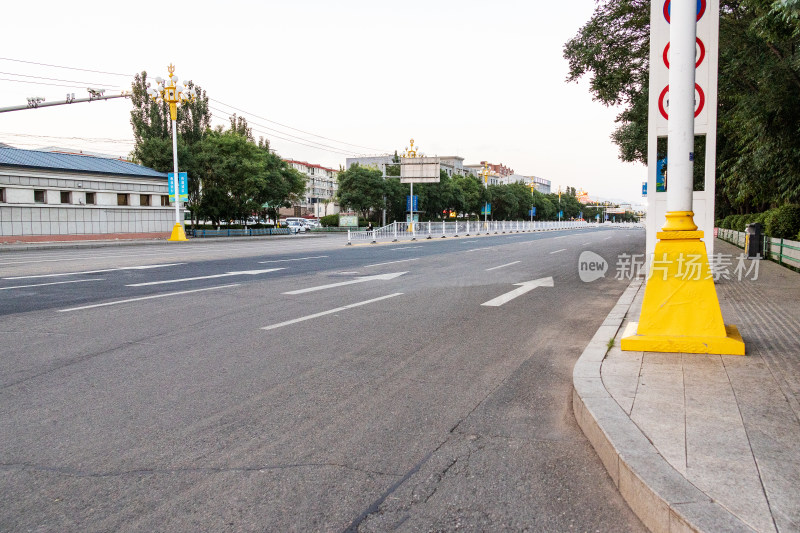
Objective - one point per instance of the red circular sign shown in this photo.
(701, 9)
(701, 47)
(663, 95)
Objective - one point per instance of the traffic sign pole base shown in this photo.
(731, 344)
(680, 310)
(178, 234)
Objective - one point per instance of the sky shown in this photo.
(485, 81)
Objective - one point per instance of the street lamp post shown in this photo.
(173, 94)
(486, 204)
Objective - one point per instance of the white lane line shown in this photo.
(298, 259)
(562, 237)
(392, 262)
(476, 249)
(474, 240)
(164, 295)
(51, 283)
(524, 287)
(406, 248)
(606, 238)
(584, 244)
(501, 266)
(556, 251)
(362, 279)
(145, 267)
(213, 276)
(348, 272)
(323, 313)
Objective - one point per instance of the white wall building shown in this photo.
(46, 193)
(321, 188)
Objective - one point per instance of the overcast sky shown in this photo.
(482, 80)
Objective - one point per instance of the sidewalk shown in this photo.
(703, 442)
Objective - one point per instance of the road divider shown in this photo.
(151, 297)
(362, 279)
(331, 311)
(212, 276)
(525, 286)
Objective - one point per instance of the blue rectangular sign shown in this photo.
(416, 203)
(532, 212)
(486, 209)
(183, 186)
(644, 188)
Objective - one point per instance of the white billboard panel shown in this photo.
(419, 170)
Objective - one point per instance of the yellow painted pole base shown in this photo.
(177, 233)
(731, 344)
(680, 310)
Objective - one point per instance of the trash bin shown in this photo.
(752, 241)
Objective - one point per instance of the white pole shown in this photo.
(175, 173)
(680, 126)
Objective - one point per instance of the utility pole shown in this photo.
(35, 102)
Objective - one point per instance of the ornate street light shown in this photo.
(173, 93)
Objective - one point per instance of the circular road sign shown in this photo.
(700, 53)
(701, 9)
(700, 101)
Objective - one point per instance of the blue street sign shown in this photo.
(183, 186)
(644, 188)
(561, 214)
(580, 215)
(661, 178)
(486, 209)
(532, 212)
(416, 203)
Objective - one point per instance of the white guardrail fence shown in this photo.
(403, 231)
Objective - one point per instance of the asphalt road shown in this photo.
(302, 385)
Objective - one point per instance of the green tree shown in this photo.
(361, 189)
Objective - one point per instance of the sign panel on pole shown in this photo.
(416, 203)
(183, 186)
(532, 212)
(348, 221)
(486, 209)
(420, 170)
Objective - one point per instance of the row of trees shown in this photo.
(364, 189)
(759, 92)
(231, 176)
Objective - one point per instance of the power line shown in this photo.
(295, 129)
(272, 135)
(45, 83)
(91, 84)
(344, 151)
(70, 68)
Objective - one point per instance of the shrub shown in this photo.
(726, 222)
(329, 221)
(784, 223)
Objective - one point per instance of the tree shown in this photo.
(361, 189)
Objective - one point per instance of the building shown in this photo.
(48, 193)
(377, 161)
(321, 188)
(453, 165)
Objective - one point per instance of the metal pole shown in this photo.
(680, 126)
(175, 173)
(37, 105)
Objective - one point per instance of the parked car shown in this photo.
(295, 226)
(313, 223)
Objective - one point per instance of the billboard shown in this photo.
(419, 170)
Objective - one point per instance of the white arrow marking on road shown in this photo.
(361, 279)
(524, 287)
(225, 275)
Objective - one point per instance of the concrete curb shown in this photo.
(661, 497)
